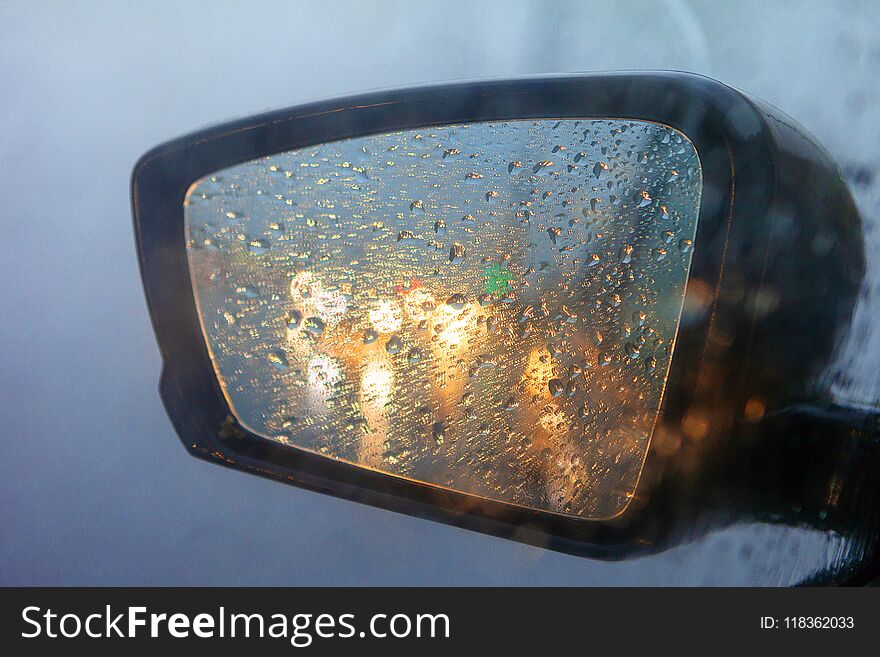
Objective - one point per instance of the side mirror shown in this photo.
(593, 313)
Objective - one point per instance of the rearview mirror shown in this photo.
(540, 308)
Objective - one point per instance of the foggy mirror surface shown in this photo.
(489, 308)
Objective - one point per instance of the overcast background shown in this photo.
(95, 487)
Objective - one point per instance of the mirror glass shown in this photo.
(489, 307)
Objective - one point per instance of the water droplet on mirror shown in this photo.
(258, 247)
(631, 350)
(247, 291)
(456, 253)
(556, 387)
(417, 207)
(626, 254)
(599, 169)
(314, 326)
(457, 301)
(513, 165)
(407, 236)
(685, 245)
(293, 320)
(394, 345)
(440, 227)
(277, 360)
(370, 336)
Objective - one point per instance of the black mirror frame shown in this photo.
(743, 147)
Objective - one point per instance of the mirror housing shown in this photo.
(778, 260)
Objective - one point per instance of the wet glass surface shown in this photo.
(488, 307)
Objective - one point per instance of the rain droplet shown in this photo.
(394, 345)
(293, 320)
(456, 253)
(556, 386)
(277, 360)
(314, 325)
(417, 207)
(440, 227)
(631, 350)
(370, 336)
(258, 247)
(599, 169)
(568, 316)
(526, 314)
(685, 245)
(456, 301)
(626, 253)
(247, 291)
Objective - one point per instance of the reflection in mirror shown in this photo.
(489, 308)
